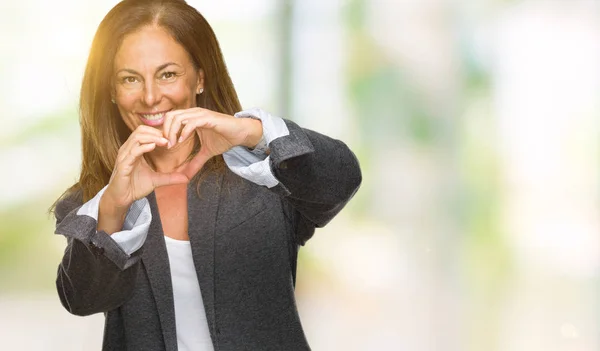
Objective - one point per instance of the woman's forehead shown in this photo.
(148, 48)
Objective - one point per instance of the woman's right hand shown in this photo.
(132, 178)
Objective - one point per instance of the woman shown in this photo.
(185, 223)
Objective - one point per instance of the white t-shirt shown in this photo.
(190, 317)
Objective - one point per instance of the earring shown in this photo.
(113, 101)
(200, 91)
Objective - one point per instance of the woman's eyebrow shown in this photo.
(128, 70)
(165, 65)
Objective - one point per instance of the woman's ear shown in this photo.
(113, 92)
(200, 82)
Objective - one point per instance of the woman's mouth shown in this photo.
(153, 119)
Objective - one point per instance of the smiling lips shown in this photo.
(153, 119)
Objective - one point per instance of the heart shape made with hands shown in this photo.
(182, 174)
(216, 131)
(191, 168)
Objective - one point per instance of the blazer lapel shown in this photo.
(202, 216)
(156, 261)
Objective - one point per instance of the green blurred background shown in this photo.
(476, 125)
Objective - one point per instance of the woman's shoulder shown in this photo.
(67, 202)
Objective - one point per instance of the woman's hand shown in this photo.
(217, 132)
(132, 178)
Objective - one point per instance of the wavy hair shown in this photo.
(102, 128)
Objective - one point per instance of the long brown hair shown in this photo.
(102, 128)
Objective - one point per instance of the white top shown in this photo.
(190, 317)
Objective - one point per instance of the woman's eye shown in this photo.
(129, 80)
(168, 75)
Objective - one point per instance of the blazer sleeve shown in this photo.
(317, 176)
(95, 274)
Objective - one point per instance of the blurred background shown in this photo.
(476, 125)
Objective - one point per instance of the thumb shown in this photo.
(196, 164)
(162, 179)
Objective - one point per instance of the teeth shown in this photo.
(153, 117)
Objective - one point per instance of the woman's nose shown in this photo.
(152, 94)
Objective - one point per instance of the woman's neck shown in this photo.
(168, 160)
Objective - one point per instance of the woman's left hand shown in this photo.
(218, 132)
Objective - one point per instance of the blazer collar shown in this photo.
(202, 215)
(202, 219)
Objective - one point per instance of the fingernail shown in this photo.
(180, 139)
(164, 140)
(169, 145)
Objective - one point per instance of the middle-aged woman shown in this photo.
(184, 225)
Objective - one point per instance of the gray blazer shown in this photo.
(244, 240)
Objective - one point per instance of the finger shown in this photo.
(147, 130)
(168, 124)
(196, 164)
(186, 110)
(162, 179)
(172, 136)
(141, 138)
(144, 130)
(183, 115)
(135, 135)
(192, 124)
(174, 129)
(128, 162)
(136, 152)
(142, 149)
(147, 138)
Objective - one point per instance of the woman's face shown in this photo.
(153, 74)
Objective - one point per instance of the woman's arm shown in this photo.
(96, 274)
(98, 270)
(317, 175)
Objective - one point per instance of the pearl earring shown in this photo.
(200, 91)
(113, 101)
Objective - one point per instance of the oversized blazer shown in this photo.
(244, 239)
